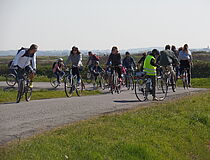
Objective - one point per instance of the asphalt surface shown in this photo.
(24, 119)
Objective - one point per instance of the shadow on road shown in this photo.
(126, 101)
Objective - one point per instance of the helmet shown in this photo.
(60, 60)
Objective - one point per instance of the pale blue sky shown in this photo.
(100, 24)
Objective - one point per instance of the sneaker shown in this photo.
(189, 85)
(79, 81)
(59, 83)
(31, 84)
(155, 99)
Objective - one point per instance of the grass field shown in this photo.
(10, 95)
(197, 82)
(177, 130)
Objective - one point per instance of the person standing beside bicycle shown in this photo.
(185, 58)
(115, 61)
(149, 68)
(75, 58)
(58, 69)
(25, 61)
(166, 60)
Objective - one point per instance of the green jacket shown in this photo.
(167, 57)
(148, 67)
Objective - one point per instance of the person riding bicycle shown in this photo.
(185, 58)
(97, 70)
(58, 69)
(149, 68)
(176, 53)
(75, 58)
(167, 59)
(25, 61)
(115, 61)
(91, 60)
(128, 62)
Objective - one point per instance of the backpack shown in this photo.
(54, 63)
(22, 48)
(96, 57)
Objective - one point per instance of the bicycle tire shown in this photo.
(11, 80)
(80, 88)
(161, 94)
(20, 91)
(28, 93)
(68, 87)
(140, 90)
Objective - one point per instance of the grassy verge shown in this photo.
(198, 82)
(36, 79)
(174, 130)
(10, 95)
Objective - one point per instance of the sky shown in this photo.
(101, 24)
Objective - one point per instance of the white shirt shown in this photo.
(23, 61)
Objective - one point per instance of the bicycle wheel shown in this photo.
(53, 81)
(20, 90)
(28, 93)
(68, 86)
(140, 90)
(11, 80)
(161, 94)
(79, 89)
(89, 77)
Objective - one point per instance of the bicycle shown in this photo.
(71, 84)
(100, 82)
(143, 87)
(23, 88)
(129, 79)
(169, 79)
(54, 82)
(115, 84)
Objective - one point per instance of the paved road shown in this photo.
(27, 118)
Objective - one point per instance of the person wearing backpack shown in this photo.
(25, 61)
(58, 69)
(92, 59)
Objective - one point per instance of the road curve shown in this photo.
(27, 118)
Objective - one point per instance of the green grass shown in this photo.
(177, 130)
(198, 82)
(36, 79)
(10, 95)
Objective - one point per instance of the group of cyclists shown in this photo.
(170, 59)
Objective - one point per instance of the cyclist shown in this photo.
(128, 62)
(185, 57)
(58, 69)
(91, 60)
(141, 61)
(115, 60)
(97, 70)
(166, 59)
(25, 60)
(150, 66)
(173, 48)
(75, 58)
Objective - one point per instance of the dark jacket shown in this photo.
(167, 57)
(115, 59)
(128, 62)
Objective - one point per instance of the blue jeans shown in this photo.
(59, 75)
